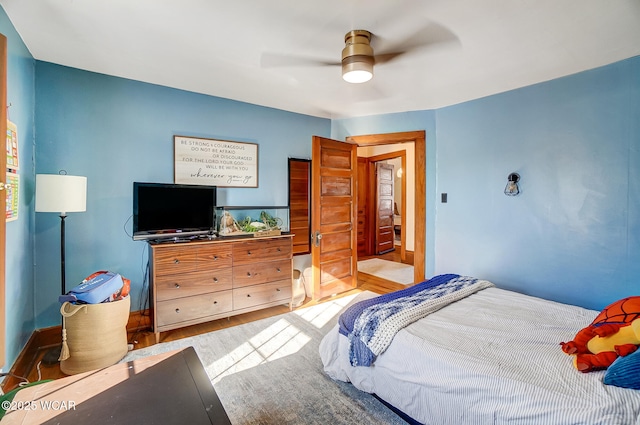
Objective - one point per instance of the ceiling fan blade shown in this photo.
(387, 57)
(277, 60)
(429, 36)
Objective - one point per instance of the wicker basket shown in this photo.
(298, 293)
(93, 335)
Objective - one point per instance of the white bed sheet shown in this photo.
(491, 358)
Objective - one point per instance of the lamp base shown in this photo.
(52, 355)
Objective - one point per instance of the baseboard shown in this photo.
(139, 321)
(23, 363)
(409, 257)
(43, 339)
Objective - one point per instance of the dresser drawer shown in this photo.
(251, 296)
(214, 256)
(194, 283)
(183, 309)
(262, 250)
(253, 274)
(174, 260)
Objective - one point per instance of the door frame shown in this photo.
(3, 130)
(418, 137)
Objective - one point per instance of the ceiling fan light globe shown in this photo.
(357, 72)
(357, 77)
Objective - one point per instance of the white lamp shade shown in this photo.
(61, 193)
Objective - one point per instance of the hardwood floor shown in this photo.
(143, 337)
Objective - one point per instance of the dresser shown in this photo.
(199, 281)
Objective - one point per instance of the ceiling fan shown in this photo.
(358, 58)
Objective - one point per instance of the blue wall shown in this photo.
(116, 131)
(573, 234)
(19, 321)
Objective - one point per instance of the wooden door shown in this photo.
(363, 216)
(333, 217)
(3, 196)
(384, 202)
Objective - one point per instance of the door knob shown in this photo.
(317, 238)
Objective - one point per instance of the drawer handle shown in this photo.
(248, 252)
(215, 280)
(215, 258)
(278, 270)
(249, 274)
(215, 302)
(176, 261)
(279, 250)
(248, 295)
(177, 310)
(177, 285)
(277, 289)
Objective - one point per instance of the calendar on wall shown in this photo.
(12, 146)
(12, 189)
(12, 182)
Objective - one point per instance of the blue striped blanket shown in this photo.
(370, 325)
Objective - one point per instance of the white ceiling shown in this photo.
(228, 48)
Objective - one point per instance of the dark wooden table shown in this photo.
(170, 388)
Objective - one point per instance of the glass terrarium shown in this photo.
(255, 221)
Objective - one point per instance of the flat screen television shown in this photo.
(164, 210)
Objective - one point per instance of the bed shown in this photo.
(489, 357)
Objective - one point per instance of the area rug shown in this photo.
(269, 371)
(390, 270)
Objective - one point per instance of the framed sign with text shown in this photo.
(215, 162)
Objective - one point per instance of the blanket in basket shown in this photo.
(370, 325)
